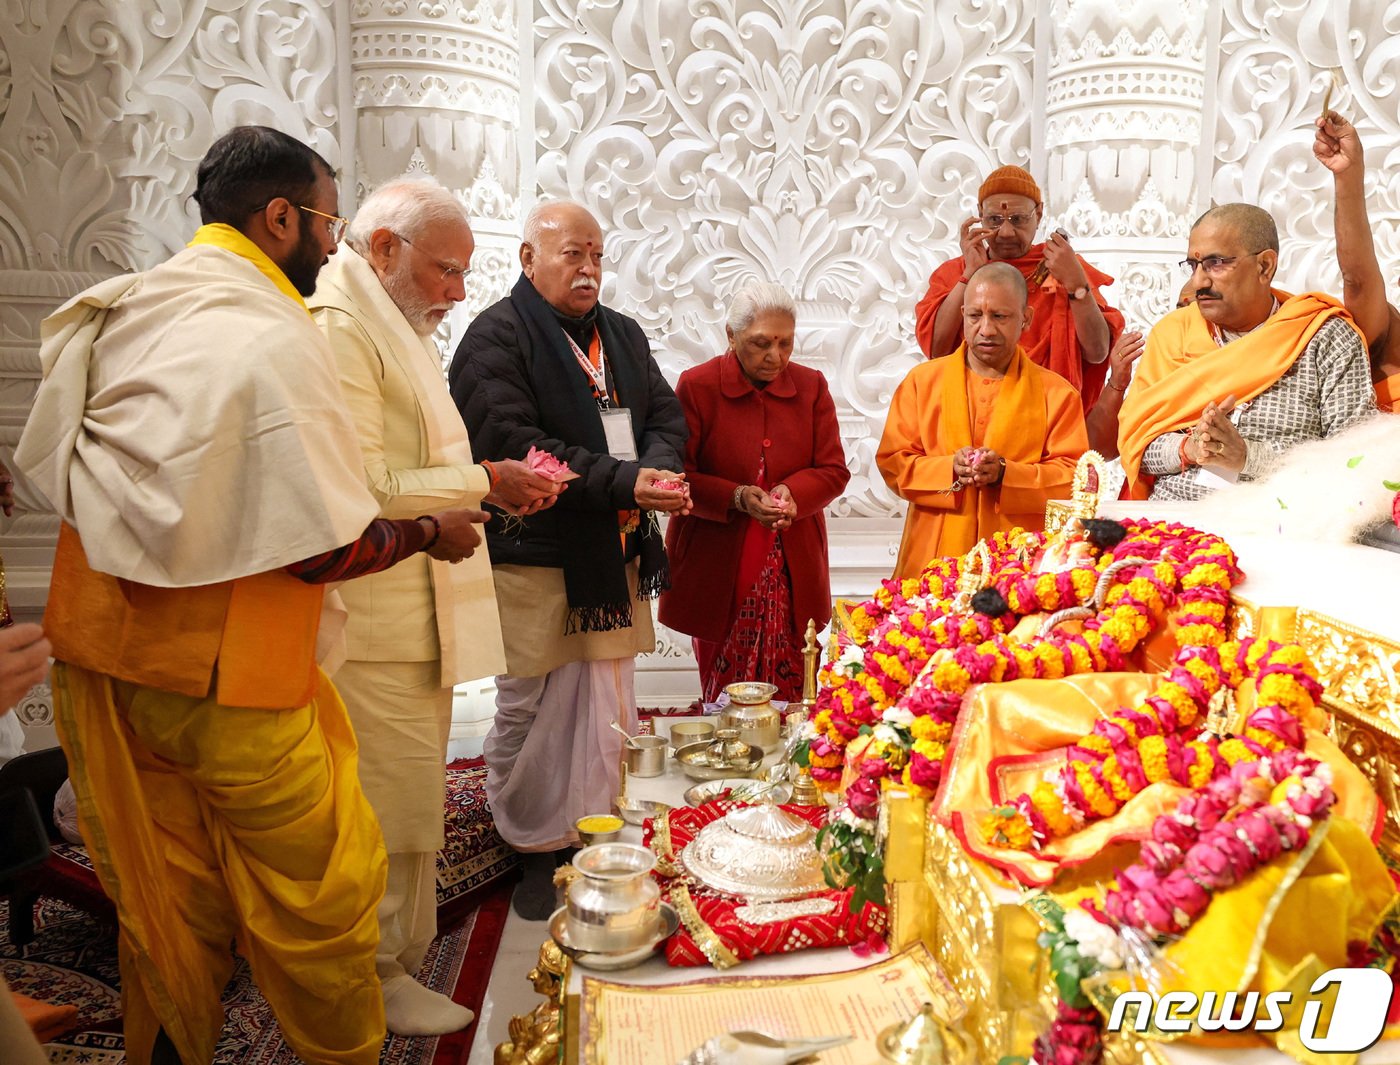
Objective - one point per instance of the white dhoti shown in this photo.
(402, 717)
(551, 756)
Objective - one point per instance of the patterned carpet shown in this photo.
(73, 958)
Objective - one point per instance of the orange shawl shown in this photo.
(1183, 369)
(1050, 340)
(1035, 425)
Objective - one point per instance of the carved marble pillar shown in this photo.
(1123, 123)
(436, 89)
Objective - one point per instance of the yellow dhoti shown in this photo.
(208, 824)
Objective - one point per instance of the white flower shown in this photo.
(898, 715)
(860, 824)
(887, 735)
(852, 657)
(1095, 940)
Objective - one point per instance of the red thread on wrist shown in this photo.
(1186, 463)
(493, 478)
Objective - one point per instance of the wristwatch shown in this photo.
(1081, 293)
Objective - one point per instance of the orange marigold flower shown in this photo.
(1047, 802)
(1100, 801)
(1153, 752)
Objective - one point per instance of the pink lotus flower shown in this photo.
(546, 465)
(672, 484)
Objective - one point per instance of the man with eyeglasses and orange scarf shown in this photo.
(1231, 382)
(1072, 326)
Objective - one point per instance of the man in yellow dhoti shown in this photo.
(191, 434)
(1231, 382)
(977, 442)
(417, 629)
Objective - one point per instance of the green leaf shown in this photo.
(801, 754)
(866, 730)
(1281, 504)
(1014, 1059)
(1354, 461)
(1067, 984)
(1394, 486)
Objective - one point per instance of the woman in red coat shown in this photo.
(764, 458)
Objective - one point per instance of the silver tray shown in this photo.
(694, 762)
(667, 923)
(700, 794)
(757, 852)
(636, 811)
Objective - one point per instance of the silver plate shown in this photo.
(666, 927)
(695, 762)
(635, 811)
(712, 789)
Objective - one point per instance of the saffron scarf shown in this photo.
(1183, 369)
(1016, 431)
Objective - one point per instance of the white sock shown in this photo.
(412, 1009)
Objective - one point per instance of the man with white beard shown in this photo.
(415, 631)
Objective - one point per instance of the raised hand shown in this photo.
(1063, 263)
(1126, 351)
(1337, 145)
(973, 238)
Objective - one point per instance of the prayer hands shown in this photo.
(973, 239)
(770, 511)
(1337, 145)
(1125, 352)
(521, 490)
(7, 490)
(1218, 442)
(1063, 264)
(650, 496)
(978, 466)
(460, 537)
(24, 662)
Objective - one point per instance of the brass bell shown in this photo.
(922, 1040)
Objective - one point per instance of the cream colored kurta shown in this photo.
(417, 460)
(126, 437)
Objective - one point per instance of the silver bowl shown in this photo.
(697, 762)
(746, 789)
(756, 852)
(666, 927)
(635, 811)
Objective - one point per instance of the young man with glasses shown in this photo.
(417, 629)
(1229, 383)
(191, 433)
(1072, 327)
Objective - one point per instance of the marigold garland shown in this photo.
(1133, 749)
(909, 656)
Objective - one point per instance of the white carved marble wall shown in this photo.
(1276, 61)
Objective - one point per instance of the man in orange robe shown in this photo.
(1338, 148)
(979, 441)
(1073, 328)
(1230, 383)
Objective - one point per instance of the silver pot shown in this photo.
(613, 905)
(752, 715)
(645, 756)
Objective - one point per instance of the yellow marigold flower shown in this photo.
(918, 791)
(1203, 768)
(929, 728)
(1153, 752)
(1121, 791)
(1100, 801)
(1234, 751)
(930, 749)
(1265, 739)
(1083, 581)
(1048, 804)
(1096, 744)
(1051, 659)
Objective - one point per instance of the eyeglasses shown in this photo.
(1214, 264)
(449, 272)
(1018, 221)
(334, 223)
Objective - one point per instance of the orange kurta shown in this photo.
(1031, 417)
(1050, 340)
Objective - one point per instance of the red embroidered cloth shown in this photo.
(839, 927)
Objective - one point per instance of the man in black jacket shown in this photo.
(549, 368)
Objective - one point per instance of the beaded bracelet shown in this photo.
(437, 529)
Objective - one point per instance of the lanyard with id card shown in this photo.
(617, 421)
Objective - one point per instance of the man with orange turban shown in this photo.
(1232, 381)
(1073, 326)
(978, 442)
